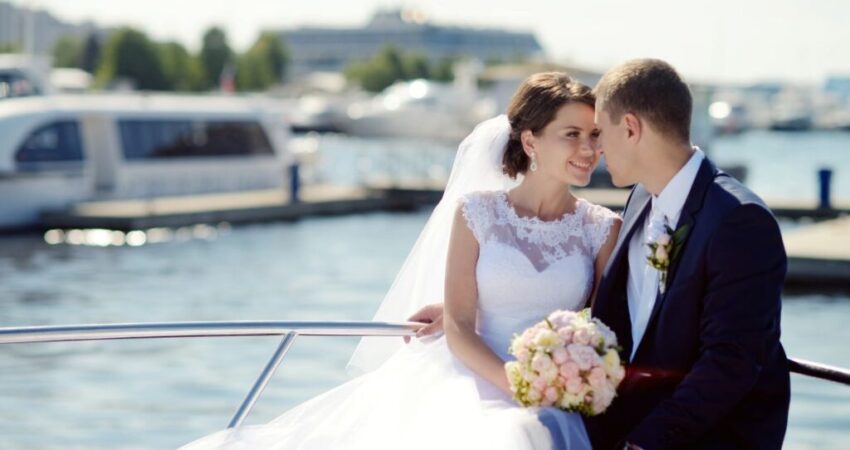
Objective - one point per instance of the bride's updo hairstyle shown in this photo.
(534, 106)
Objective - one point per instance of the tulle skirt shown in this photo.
(421, 398)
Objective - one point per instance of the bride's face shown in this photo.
(566, 148)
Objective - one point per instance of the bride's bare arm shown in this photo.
(461, 304)
(604, 254)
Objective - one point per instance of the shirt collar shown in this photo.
(672, 198)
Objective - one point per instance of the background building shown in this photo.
(332, 49)
(35, 31)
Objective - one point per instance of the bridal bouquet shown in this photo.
(569, 360)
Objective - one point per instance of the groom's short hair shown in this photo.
(650, 89)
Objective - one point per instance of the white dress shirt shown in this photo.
(643, 278)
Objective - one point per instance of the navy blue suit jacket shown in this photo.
(710, 372)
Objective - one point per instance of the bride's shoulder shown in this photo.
(600, 223)
(480, 198)
(597, 214)
(479, 206)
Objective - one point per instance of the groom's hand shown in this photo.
(432, 315)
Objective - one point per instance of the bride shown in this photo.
(507, 244)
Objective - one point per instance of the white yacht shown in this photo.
(418, 109)
(24, 75)
(60, 149)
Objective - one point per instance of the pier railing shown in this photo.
(288, 331)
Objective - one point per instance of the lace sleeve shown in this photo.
(475, 212)
(599, 222)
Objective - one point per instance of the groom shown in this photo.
(701, 337)
(708, 371)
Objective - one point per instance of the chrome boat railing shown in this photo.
(288, 330)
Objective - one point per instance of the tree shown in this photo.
(263, 65)
(67, 52)
(443, 70)
(392, 58)
(378, 73)
(90, 57)
(9, 47)
(272, 49)
(182, 70)
(416, 66)
(130, 54)
(215, 53)
(390, 65)
(252, 73)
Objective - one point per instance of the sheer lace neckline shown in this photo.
(515, 218)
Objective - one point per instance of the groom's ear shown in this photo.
(633, 126)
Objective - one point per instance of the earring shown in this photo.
(533, 165)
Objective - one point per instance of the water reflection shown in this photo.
(100, 237)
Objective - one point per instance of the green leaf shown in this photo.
(678, 241)
(680, 234)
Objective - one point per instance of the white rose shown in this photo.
(606, 332)
(611, 363)
(547, 339)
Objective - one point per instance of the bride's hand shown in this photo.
(430, 314)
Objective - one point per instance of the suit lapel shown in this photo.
(705, 177)
(633, 219)
(612, 303)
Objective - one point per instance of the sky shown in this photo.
(717, 41)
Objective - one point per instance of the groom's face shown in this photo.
(615, 146)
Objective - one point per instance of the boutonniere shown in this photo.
(664, 251)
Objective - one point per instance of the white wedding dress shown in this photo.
(425, 398)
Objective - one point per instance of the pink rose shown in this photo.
(664, 240)
(566, 334)
(598, 404)
(522, 355)
(573, 385)
(551, 395)
(559, 382)
(569, 370)
(585, 357)
(541, 362)
(539, 384)
(596, 377)
(661, 253)
(562, 318)
(560, 355)
(550, 373)
(596, 337)
(581, 336)
(602, 398)
(607, 391)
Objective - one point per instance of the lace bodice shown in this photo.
(528, 267)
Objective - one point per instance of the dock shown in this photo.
(320, 200)
(235, 208)
(615, 199)
(819, 254)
